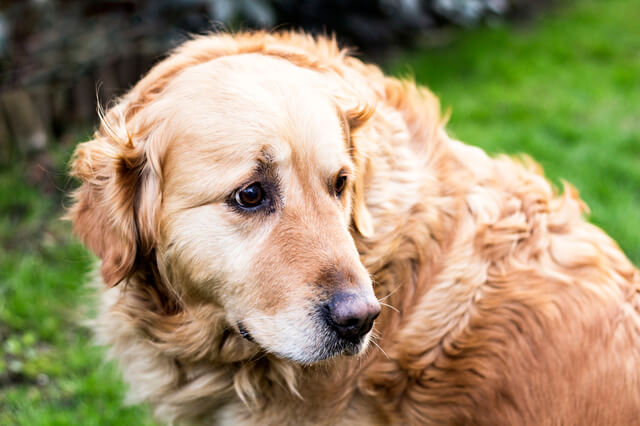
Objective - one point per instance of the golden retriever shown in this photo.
(257, 198)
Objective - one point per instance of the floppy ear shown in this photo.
(356, 118)
(103, 215)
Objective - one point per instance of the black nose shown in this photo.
(351, 315)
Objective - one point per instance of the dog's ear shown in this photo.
(112, 172)
(356, 118)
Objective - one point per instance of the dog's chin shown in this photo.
(307, 347)
(332, 348)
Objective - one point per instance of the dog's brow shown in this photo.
(344, 124)
(266, 154)
(266, 163)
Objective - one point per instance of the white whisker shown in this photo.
(389, 295)
(389, 306)
(381, 350)
(244, 320)
(255, 318)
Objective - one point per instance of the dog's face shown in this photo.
(256, 196)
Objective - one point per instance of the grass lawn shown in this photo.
(564, 89)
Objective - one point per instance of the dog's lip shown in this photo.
(349, 347)
(244, 332)
(334, 346)
(352, 350)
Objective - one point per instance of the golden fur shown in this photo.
(502, 304)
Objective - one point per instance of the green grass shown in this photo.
(50, 373)
(564, 89)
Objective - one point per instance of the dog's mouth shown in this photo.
(340, 346)
(324, 341)
(244, 332)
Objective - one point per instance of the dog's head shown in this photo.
(238, 177)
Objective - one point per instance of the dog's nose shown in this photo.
(351, 315)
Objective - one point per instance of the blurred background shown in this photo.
(556, 79)
(57, 55)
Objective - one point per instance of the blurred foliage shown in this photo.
(58, 39)
(58, 56)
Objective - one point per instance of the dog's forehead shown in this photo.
(232, 108)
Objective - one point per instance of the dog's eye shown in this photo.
(250, 196)
(340, 184)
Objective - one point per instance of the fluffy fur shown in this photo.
(502, 305)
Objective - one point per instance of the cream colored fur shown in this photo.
(502, 304)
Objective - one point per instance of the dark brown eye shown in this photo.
(250, 196)
(340, 184)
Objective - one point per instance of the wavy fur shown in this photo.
(506, 306)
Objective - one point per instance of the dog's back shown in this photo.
(529, 315)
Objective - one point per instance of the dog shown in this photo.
(288, 236)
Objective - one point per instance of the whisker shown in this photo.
(389, 295)
(381, 350)
(255, 318)
(232, 326)
(389, 306)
